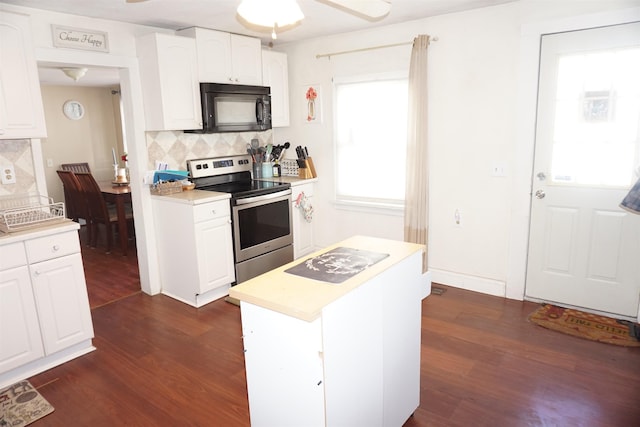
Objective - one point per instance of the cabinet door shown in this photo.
(61, 299)
(275, 74)
(215, 253)
(246, 57)
(21, 110)
(303, 243)
(171, 91)
(214, 56)
(20, 340)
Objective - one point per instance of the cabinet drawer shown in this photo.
(307, 189)
(208, 211)
(54, 246)
(12, 255)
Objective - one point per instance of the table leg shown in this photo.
(122, 225)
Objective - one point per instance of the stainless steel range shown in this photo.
(260, 212)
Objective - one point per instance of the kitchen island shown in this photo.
(322, 350)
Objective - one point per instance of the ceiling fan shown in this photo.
(367, 9)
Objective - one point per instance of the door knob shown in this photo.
(540, 194)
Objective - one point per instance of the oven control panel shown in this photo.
(212, 166)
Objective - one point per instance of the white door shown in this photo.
(584, 250)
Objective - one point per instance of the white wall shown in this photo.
(475, 123)
(479, 117)
(89, 139)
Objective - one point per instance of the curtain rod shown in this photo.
(364, 49)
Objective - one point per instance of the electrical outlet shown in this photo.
(499, 171)
(8, 174)
(49, 163)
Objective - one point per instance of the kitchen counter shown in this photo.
(327, 354)
(305, 298)
(193, 197)
(293, 180)
(41, 230)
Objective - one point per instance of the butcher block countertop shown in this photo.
(304, 298)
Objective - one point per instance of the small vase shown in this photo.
(311, 110)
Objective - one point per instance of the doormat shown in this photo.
(586, 325)
(21, 404)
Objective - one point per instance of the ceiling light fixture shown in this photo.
(270, 13)
(75, 73)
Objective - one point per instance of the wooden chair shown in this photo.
(74, 199)
(99, 212)
(76, 167)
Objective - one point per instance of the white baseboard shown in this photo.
(471, 283)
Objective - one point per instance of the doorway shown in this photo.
(89, 138)
(583, 248)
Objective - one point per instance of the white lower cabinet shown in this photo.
(195, 249)
(20, 340)
(303, 243)
(45, 319)
(62, 302)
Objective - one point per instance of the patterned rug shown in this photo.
(587, 325)
(21, 404)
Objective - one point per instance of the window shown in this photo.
(371, 139)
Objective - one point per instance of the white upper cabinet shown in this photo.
(170, 87)
(225, 57)
(275, 74)
(21, 110)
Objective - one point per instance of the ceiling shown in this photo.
(321, 19)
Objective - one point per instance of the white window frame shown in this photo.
(363, 204)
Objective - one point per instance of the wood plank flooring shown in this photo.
(160, 362)
(109, 276)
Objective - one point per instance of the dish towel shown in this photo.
(631, 202)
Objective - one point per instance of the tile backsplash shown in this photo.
(17, 152)
(173, 147)
(176, 147)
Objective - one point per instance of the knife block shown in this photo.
(305, 173)
(309, 171)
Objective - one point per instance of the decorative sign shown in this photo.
(78, 38)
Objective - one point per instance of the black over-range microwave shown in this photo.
(235, 108)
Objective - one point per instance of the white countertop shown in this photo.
(304, 298)
(193, 197)
(293, 180)
(41, 230)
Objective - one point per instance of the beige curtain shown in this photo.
(416, 214)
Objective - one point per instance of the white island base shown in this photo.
(322, 354)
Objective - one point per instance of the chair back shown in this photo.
(76, 167)
(73, 196)
(93, 195)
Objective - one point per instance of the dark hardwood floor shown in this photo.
(160, 362)
(109, 277)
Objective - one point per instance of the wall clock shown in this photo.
(74, 110)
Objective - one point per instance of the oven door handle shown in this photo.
(270, 196)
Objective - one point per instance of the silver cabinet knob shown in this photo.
(541, 176)
(540, 194)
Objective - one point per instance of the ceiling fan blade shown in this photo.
(373, 9)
